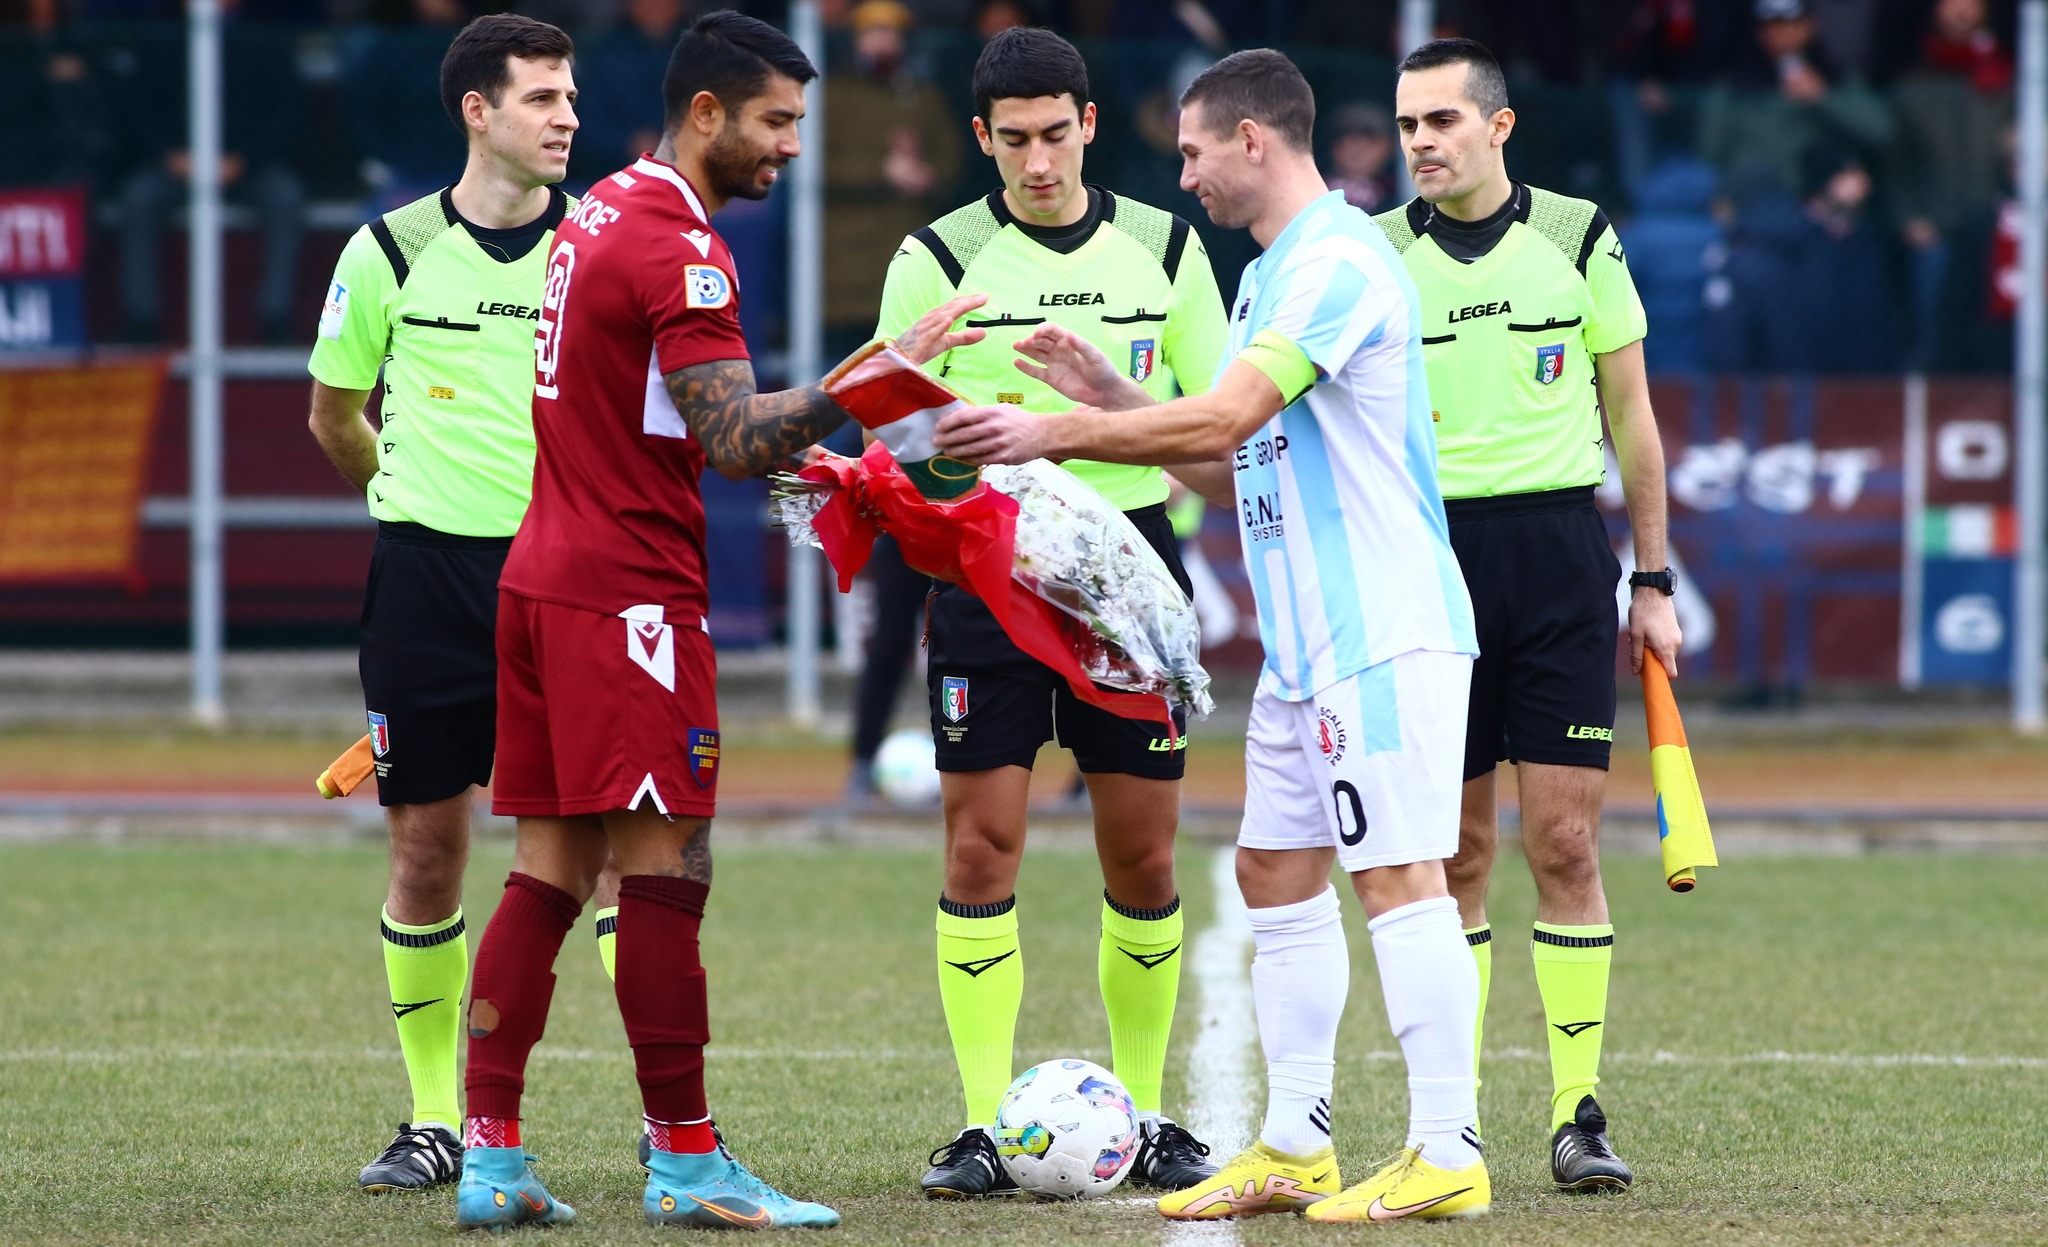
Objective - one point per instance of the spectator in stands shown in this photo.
(892, 155)
(1784, 99)
(261, 115)
(1952, 105)
(1846, 271)
(1361, 162)
(66, 119)
(1676, 249)
(394, 74)
(993, 17)
(620, 83)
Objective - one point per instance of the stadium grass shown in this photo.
(194, 1048)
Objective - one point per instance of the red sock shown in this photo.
(681, 1136)
(509, 994)
(662, 1001)
(490, 1132)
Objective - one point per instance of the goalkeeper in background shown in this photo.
(441, 295)
(1135, 281)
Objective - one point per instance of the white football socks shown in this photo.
(1432, 992)
(1300, 977)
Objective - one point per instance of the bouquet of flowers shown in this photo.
(1070, 579)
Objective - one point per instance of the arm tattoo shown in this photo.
(743, 432)
(696, 855)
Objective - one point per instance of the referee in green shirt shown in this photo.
(442, 295)
(1531, 326)
(1136, 282)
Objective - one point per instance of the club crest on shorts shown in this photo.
(703, 750)
(1549, 363)
(651, 643)
(1330, 736)
(1144, 358)
(953, 697)
(380, 734)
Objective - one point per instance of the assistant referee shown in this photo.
(1531, 326)
(442, 295)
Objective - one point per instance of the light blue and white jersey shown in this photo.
(1337, 501)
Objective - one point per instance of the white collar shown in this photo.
(655, 169)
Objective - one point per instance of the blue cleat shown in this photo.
(714, 1191)
(499, 1190)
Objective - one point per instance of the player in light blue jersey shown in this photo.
(1317, 433)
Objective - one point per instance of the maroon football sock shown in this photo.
(509, 995)
(662, 998)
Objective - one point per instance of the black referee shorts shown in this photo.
(1542, 579)
(429, 661)
(994, 705)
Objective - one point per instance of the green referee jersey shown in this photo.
(1132, 279)
(452, 327)
(1513, 311)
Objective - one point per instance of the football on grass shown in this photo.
(1066, 1130)
(906, 773)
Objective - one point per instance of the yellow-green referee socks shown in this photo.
(427, 967)
(1572, 965)
(1480, 940)
(981, 984)
(1139, 969)
(608, 940)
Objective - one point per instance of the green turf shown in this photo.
(194, 1048)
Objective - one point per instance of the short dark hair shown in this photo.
(1025, 62)
(1484, 82)
(730, 55)
(478, 59)
(1259, 84)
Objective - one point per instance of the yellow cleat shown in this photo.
(1409, 1187)
(1258, 1179)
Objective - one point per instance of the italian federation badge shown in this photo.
(1549, 363)
(953, 698)
(1144, 358)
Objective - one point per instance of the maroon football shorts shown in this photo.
(604, 712)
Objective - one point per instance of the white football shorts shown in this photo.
(1371, 765)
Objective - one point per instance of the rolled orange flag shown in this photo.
(347, 772)
(1682, 832)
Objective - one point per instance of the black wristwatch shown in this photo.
(1664, 582)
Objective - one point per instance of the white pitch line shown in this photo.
(1220, 1087)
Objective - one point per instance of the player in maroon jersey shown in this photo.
(607, 713)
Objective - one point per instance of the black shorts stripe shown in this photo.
(429, 940)
(1573, 941)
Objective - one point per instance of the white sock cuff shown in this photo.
(1319, 910)
(1308, 1078)
(1414, 915)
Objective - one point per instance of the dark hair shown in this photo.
(1259, 84)
(1484, 82)
(1025, 62)
(730, 55)
(477, 60)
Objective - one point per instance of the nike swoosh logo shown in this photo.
(974, 968)
(1380, 1212)
(1148, 961)
(1572, 1030)
(531, 1203)
(759, 1217)
(400, 1010)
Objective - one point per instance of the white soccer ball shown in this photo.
(906, 770)
(1067, 1130)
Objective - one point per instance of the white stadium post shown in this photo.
(204, 311)
(806, 345)
(1418, 26)
(2030, 370)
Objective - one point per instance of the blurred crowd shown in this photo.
(1803, 185)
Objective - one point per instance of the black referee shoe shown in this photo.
(1169, 1158)
(420, 1157)
(967, 1168)
(1581, 1162)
